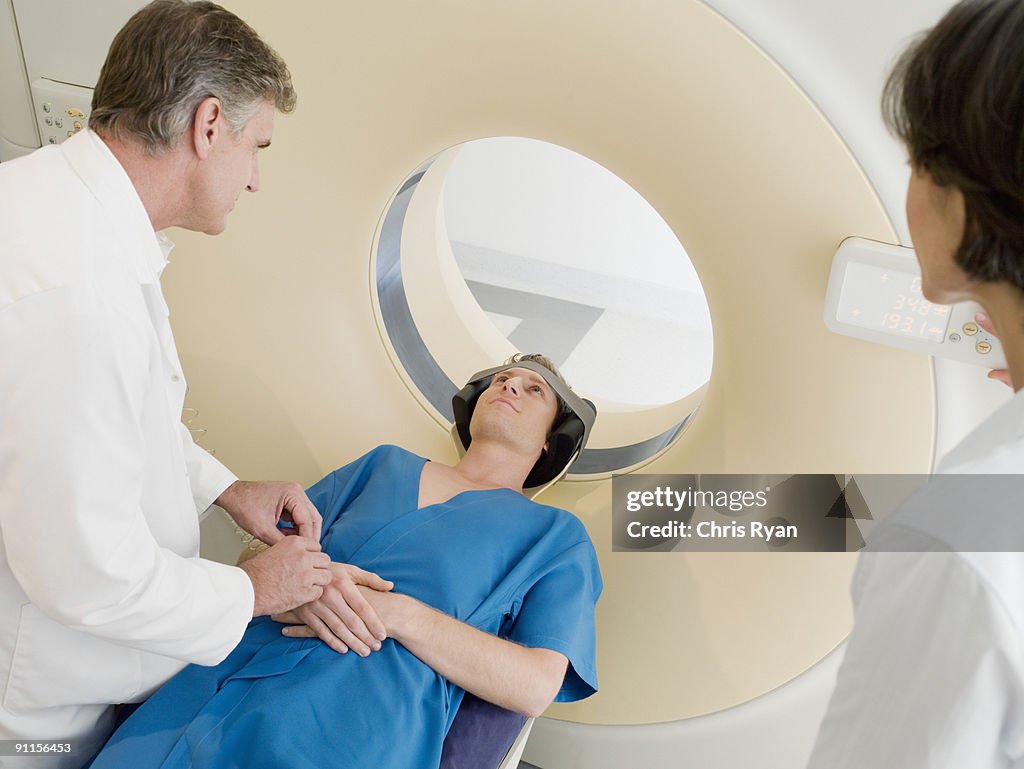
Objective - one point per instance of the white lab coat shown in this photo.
(102, 593)
(933, 675)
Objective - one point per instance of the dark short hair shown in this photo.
(170, 56)
(956, 99)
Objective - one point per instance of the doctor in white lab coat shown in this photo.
(933, 675)
(103, 595)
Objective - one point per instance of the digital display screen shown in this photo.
(888, 300)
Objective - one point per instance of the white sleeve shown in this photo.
(207, 476)
(73, 385)
(932, 673)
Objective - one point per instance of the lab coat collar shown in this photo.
(166, 246)
(101, 172)
(1004, 426)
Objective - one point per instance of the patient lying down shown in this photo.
(493, 594)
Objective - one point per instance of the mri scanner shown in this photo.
(330, 316)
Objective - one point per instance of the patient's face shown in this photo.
(519, 406)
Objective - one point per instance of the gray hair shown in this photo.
(168, 58)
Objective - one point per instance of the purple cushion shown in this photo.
(480, 736)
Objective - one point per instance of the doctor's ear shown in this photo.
(207, 126)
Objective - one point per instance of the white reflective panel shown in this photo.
(567, 259)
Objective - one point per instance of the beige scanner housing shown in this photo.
(279, 335)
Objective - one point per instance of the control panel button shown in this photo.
(63, 109)
(954, 337)
(983, 347)
(970, 329)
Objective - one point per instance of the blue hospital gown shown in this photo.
(492, 558)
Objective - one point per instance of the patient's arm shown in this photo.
(342, 617)
(515, 677)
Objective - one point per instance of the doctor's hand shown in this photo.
(999, 374)
(342, 617)
(258, 506)
(288, 574)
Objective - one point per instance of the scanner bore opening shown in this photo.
(506, 244)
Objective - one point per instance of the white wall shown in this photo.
(17, 129)
(549, 203)
(67, 40)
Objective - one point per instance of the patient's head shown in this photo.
(519, 407)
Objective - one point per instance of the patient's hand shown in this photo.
(342, 617)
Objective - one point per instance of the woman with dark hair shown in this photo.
(934, 669)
